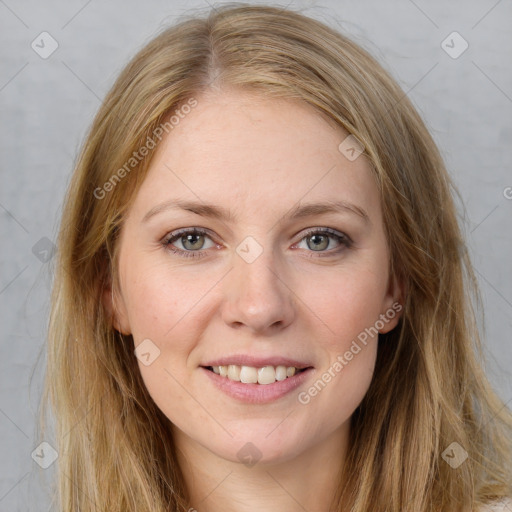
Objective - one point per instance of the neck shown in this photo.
(306, 482)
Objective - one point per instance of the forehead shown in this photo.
(247, 152)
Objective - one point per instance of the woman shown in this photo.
(261, 293)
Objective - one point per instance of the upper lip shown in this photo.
(257, 362)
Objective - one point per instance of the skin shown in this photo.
(258, 157)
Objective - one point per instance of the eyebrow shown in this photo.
(221, 213)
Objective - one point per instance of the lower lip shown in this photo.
(258, 393)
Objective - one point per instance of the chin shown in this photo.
(267, 442)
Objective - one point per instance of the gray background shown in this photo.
(47, 105)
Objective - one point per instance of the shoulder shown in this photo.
(503, 505)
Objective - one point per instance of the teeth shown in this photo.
(248, 375)
(281, 373)
(252, 375)
(266, 375)
(234, 372)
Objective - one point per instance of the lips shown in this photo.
(255, 393)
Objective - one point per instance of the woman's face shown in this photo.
(269, 281)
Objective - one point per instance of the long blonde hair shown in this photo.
(429, 388)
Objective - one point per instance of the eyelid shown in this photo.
(206, 231)
(343, 239)
(330, 231)
(186, 231)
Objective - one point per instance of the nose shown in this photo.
(257, 296)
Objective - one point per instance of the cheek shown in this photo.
(347, 302)
(160, 301)
(336, 392)
(350, 312)
(169, 307)
(161, 310)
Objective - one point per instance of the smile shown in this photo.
(253, 375)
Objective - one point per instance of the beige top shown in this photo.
(504, 505)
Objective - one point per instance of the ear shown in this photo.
(115, 309)
(393, 304)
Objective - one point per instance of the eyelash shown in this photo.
(343, 239)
